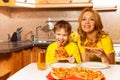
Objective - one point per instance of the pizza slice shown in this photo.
(61, 54)
(91, 45)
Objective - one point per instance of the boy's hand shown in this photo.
(71, 59)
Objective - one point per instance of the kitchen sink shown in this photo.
(44, 41)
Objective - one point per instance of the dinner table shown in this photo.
(31, 72)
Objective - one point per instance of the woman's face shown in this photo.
(61, 37)
(88, 22)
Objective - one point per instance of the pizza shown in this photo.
(60, 73)
(88, 74)
(90, 45)
(61, 54)
(75, 73)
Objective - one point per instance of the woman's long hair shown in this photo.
(98, 26)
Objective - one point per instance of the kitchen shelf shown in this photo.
(106, 9)
(54, 5)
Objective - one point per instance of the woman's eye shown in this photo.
(92, 19)
(83, 19)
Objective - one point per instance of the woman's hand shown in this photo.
(99, 53)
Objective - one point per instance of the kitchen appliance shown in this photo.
(117, 53)
(17, 35)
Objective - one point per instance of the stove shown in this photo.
(117, 52)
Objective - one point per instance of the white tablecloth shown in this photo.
(30, 72)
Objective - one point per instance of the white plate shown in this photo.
(94, 65)
(65, 65)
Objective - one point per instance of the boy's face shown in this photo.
(61, 36)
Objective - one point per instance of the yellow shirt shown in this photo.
(71, 48)
(106, 44)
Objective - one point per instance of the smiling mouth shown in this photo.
(87, 26)
(61, 42)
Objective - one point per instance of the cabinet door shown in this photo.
(5, 65)
(34, 54)
(17, 61)
(52, 1)
(26, 57)
(58, 1)
(7, 2)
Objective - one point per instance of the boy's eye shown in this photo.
(58, 34)
(65, 35)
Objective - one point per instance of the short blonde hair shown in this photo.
(63, 24)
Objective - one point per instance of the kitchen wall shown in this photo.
(29, 19)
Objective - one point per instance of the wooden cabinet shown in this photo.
(7, 2)
(52, 1)
(22, 58)
(51, 4)
(45, 3)
(16, 61)
(5, 66)
(34, 54)
(26, 57)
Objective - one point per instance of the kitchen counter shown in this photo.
(7, 46)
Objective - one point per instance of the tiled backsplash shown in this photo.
(29, 19)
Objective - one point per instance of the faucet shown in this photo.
(37, 28)
(31, 33)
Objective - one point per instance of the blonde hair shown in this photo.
(98, 25)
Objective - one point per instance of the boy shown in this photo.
(62, 31)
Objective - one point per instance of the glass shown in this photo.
(41, 64)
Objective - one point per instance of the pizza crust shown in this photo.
(91, 47)
(54, 76)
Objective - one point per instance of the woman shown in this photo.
(90, 31)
